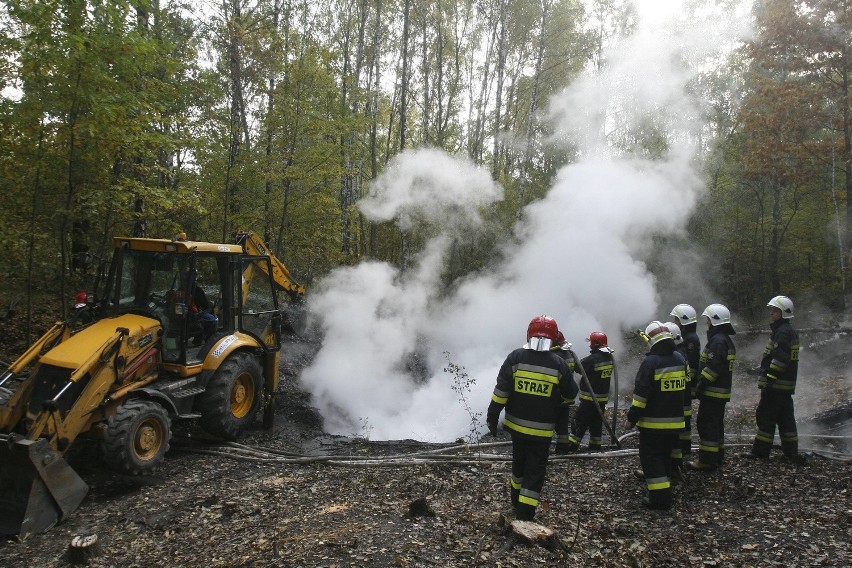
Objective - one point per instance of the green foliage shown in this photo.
(276, 117)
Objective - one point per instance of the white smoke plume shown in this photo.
(576, 254)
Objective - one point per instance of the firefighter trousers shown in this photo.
(711, 430)
(587, 418)
(655, 450)
(529, 465)
(775, 408)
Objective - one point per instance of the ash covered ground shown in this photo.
(374, 504)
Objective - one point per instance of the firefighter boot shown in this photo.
(658, 503)
(563, 448)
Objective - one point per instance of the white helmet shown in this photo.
(717, 314)
(784, 304)
(675, 331)
(685, 313)
(656, 332)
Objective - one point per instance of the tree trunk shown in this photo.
(498, 105)
(403, 98)
(374, 159)
(238, 122)
(847, 168)
(526, 161)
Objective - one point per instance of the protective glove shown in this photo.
(492, 427)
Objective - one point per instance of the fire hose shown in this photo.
(462, 454)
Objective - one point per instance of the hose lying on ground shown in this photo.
(460, 454)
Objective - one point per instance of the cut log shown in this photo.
(530, 533)
(83, 548)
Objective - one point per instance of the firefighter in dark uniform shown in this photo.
(532, 384)
(563, 416)
(714, 387)
(778, 371)
(677, 451)
(657, 409)
(598, 366)
(686, 320)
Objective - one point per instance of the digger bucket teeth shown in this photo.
(37, 487)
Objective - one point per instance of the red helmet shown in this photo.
(560, 339)
(543, 326)
(597, 339)
(80, 298)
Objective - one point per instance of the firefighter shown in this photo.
(778, 370)
(686, 320)
(716, 367)
(677, 451)
(563, 416)
(598, 366)
(657, 409)
(531, 384)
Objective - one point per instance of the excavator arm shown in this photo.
(255, 246)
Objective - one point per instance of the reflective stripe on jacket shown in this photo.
(780, 364)
(532, 385)
(598, 366)
(658, 392)
(716, 366)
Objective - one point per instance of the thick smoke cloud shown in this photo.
(575, 255)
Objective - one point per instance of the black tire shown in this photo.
(137, 437)
(233, 397)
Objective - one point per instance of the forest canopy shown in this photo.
(148, 118)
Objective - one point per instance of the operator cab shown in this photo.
(197, 293)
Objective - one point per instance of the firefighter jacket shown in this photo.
(716, 365)
(780, 364)
(598, 366)
(532, 385)
(681, 351)
(658, 391)
(691, 348)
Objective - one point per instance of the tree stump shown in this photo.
(530, 533)
(420, 508)
(83, 548)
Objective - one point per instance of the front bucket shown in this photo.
(37, 487)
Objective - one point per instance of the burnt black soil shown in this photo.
(212, 510)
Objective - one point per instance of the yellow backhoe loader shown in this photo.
(181, 330)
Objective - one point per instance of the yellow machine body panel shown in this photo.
(176, 246)
(225, 346)
(74, 351)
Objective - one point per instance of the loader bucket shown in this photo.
(37, 487)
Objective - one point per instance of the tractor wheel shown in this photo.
(137, 437)
(233, 397)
